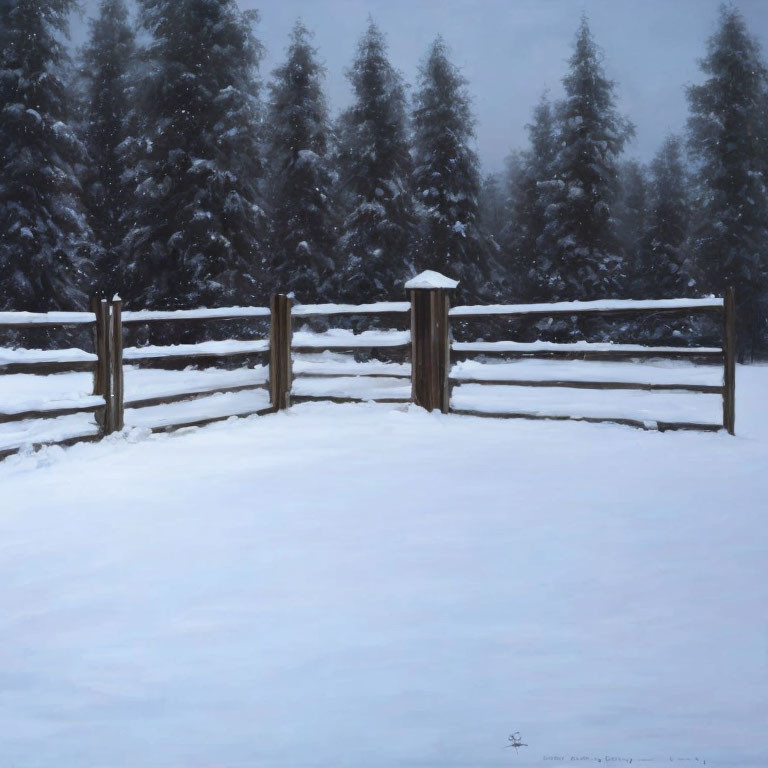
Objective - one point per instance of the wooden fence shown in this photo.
(429, 345)
(725, 354)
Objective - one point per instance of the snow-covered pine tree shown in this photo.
(522, 241)
(374, 165)
(727, 138)
(299, 181)
(634, 280)
(492, 203)
(513, 258)
(107, 64)
(46, 245)
(197, 226)
(446, 180)
(580, 230)
(667, 262)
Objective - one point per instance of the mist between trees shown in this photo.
(168, 171)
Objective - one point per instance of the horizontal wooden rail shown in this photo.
(45, 368)
(50, 413)
(574, 352)
(581, 384)
(380, 308)
(350, 375)
(196, 352)
(45, 319)
(602, 308)
(647, 424)
(348, 348)
(187, 315)
(196, 394)
(345, 399)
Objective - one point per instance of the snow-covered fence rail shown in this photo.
(47, 416)
(602, 307)
(299, 362)
(347, 380)
(583, 351)
(194, 355)
(36, 362)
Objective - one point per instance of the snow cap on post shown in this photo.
(430, 280)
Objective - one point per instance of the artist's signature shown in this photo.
(627, 760)
(516, 741)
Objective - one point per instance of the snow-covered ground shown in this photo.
(371, 585)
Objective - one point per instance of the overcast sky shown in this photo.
(511, 50)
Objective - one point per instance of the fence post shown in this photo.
(98, 371)
(729, 357)
(118, 411)
(280, 335)
(104, 365)
(430, 340)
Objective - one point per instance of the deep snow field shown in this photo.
(372, 585)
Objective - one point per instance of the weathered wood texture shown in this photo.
(650, 424)
(700, 388)
(197, 394)
(345, 399)
(43, 369)
(105, 418)
(430, 348)
(336, 347)
(280, 335)
(118, 386)
(729, 355)
(98, 370)
(467, 313)
(685, 353)
(185, 359)
(52, 413)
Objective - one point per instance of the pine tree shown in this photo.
(631, 227)
(727, 139)
(492, 204)
(446, 179)
(300, 195)
(374, 165)
(107, 64)
(46, 243)
(528, 173)
(197, 225)
(580, 231)
(667, 263)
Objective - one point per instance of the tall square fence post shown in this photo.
(118, 406)
(729, 358)
(430, 294)
(104, 360)
(280, 367)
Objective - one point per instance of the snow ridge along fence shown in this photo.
(297, 358)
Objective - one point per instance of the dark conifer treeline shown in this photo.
(161, 172)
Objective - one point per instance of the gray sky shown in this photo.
(511, 50)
